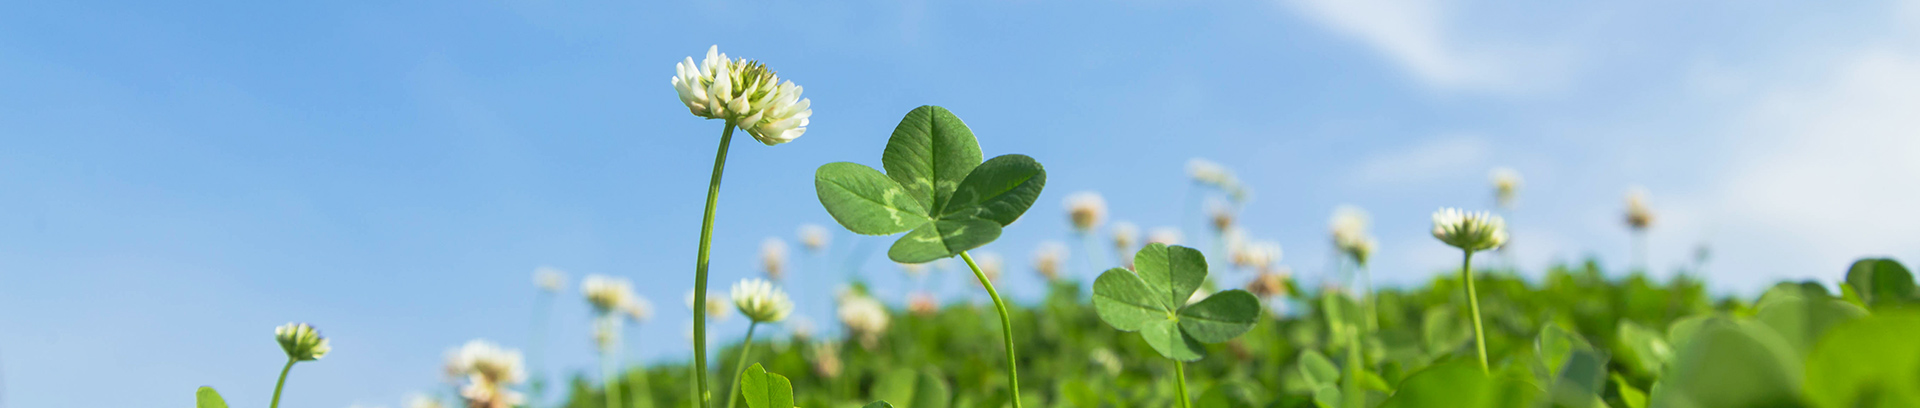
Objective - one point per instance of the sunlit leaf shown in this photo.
(999, 190)
(206, 397)
(930, 152)
(1882, 282)
(943, 238)
(1871, 362)
(1731, 363)
(1460, 384)
(865, 201)
(765, 390)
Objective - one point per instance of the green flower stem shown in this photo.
(1180, 382)
(543, 302)
(1006, 327)
(283, 382)
(700, 272)
(1353, 396)
(740, 368)
(610, 370)
(1473, 305)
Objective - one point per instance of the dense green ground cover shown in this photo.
(1575, 337)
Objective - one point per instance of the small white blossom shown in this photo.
(1164, 236)
(1126, 236)
(1049, 259)
(1470, 231)
(491, 372)
(550, 279)
(760, 301)
(1209, 173)
(1350, 236)
(638, 309)
(1506, 185)
(1086, 210)
(716, 306)
(1639, 214)
(773, 258)
(606, 294)
(814, 237)
(746, 94)
(865, 317)
(301, 341)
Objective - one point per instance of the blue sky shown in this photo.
(176, 179)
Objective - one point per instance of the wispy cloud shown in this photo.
(1445, 156)
(1419, 37)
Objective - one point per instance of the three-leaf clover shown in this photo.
(936, 189)
(1154, 302)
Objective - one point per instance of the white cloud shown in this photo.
(1446, 156)
(1417, 35)
(1832, 170)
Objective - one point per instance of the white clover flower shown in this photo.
(746, 94)
(1221, 215)
(921, 303)
(865, 317)
(549, 279)
(1209, 173)
(1470, 231)
(1164, 236)
(760, 301)
(716, 306)
(301, 341)
(814, 237)
(491, 372)
(1050, 259)
(606, 294)
(1349, 230)
(1086, 210)
(1257, 255)
(826, 359)
(637, 309)
(1125, 236)
(1639, 214)
(773, 258)
(991, 264)
(1269, 283)
(1506, 185)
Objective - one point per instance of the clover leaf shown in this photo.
(766, 390)
(1154, 302)
(206, 397)
(936, 189)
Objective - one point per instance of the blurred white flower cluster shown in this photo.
(489, 372)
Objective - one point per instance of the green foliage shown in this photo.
(1154, 302)
(1882, 283)
(206, 397)
(936, 189)
(1870, 362)
(1572, 337)
(766, 390)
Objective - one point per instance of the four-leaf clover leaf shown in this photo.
(936, 189)
(1154, 302)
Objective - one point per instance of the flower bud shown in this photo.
(301, 341)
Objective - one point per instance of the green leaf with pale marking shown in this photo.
(1220, 317)
(206, 397)
(865, 201)
(943, 238)
(1000, 190)
(930, 152)
(1154, 302)
(765, 390)
(931, 159)
(1126, 302)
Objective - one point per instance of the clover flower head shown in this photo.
(1506, 185)
(637, 309)
(1220, 216)
(1257, 255)
(1126, 235)
(1269, 283)
(1469, 231)
(1349, 230)
(606, 294)
(549, 279)
(991, 264)
(1207, 172)
(760, 301)
(921, 303)
(826, 359)
(773, 257)
(865, 317)
(301, 341)
(814, 237)
(1086, 210)
(1049, 259)
(1639, 214)
(491, 372)
(1164, 235)
(744, 92)
(716, 309)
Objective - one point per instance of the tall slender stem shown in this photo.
(1006, 327)
(609, 357)
(740, 368)
(700, 272)
(1473, 305)
(542, 301)
(1180, 382)
(1354, 397)
(283, 382)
